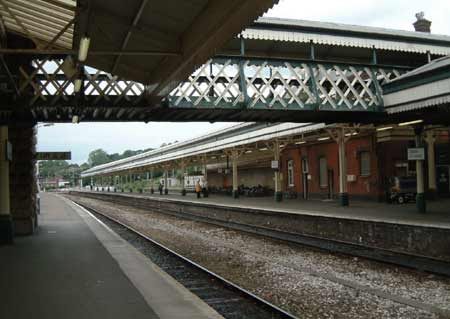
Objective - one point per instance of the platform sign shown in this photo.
(416, 154)
(53, 156)
(8, 151)
(274, 164)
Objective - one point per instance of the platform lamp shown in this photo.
(82, 56)
(84, 48)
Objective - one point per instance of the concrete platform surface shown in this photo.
(438, 214)
(76, 267)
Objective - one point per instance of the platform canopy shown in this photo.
(197, 60)
(424, 91)
(157, 43)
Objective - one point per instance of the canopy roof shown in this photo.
(158, 43)
(41, 20)
(426, 89)
(233, 137)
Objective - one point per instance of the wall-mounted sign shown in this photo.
(275, 164)
(416, 154)
(56, 156)
(8, 151)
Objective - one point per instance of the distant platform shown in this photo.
(75, 267)
(389, 227)
(438, 211)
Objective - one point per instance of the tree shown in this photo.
(98, 157)
(52, 169)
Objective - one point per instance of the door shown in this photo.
(305, 172)
(330, 184)
(443, 182)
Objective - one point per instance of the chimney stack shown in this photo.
(422, 24)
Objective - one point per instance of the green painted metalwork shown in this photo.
(289, 85)
(228, 83)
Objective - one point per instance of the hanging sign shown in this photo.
(47, 156)
(416, 154)
(6, 151)
(275, 164)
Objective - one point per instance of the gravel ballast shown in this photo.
(306, 282)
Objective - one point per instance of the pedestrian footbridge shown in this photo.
(274, 71)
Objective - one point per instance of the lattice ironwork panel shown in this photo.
(346, 87)
(284, 85)
(51, 83)
(212, 85)
(271, 84)
(227, 83)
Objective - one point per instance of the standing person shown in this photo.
(160, 187)
(205, 188)
(198, 188)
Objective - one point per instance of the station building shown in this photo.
(372, 158)
(308, 160)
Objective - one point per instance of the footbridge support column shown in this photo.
(6, 224)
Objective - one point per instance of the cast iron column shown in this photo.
(343, 195)
(183, 168)
(234, 158)
(205, 179)
(166, 190)
(152, 190)
(277, 179)
(420, 197)
(430, 138)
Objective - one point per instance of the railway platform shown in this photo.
(438, 213)
(388, 228)
(75, 267)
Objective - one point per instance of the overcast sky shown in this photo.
(117, 137)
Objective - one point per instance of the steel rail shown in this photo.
(242, 291)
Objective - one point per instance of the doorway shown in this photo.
(330, 184)
(305, 173)
(443, 180)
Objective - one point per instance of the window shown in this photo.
(364, 163)
(290, 172)
(323, 177)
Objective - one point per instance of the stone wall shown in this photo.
(23, 184)
(417, 240)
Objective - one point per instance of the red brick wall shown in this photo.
(291, 153)
(364, 186)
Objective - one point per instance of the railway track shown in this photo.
(227, 298)
(417, 262)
